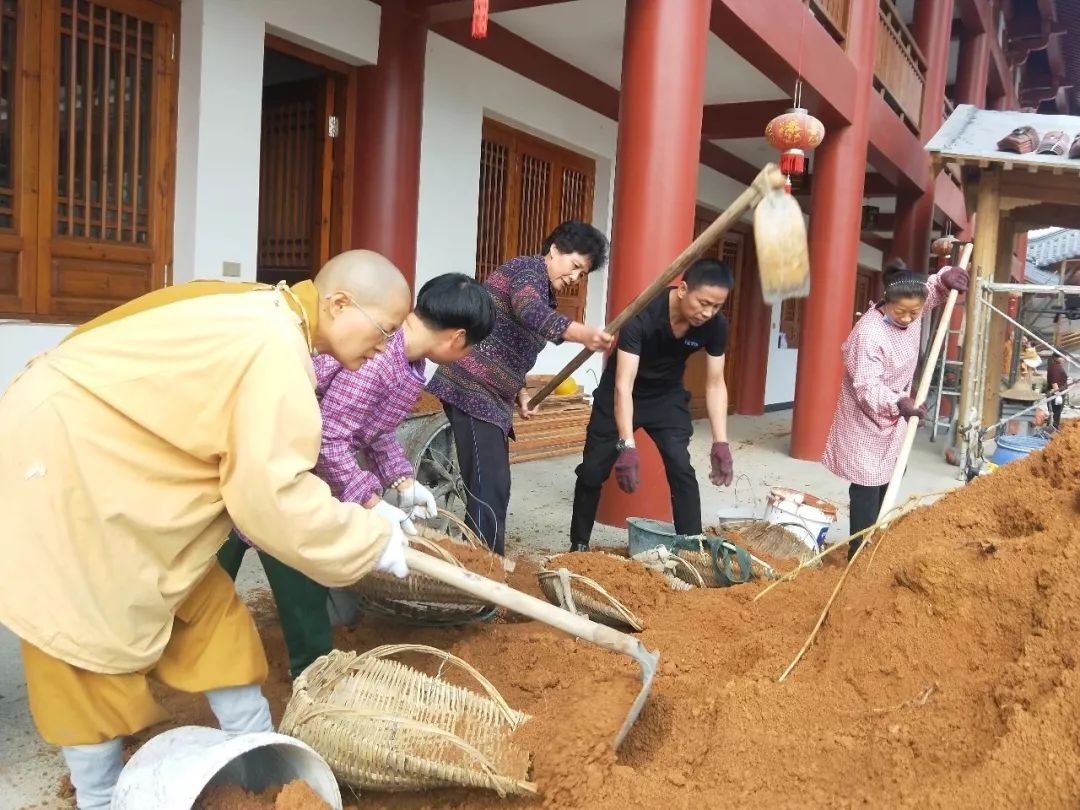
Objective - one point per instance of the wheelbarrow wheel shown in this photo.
(429, 443)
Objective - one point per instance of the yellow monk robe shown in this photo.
(128, 451)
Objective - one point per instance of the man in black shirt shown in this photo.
(642, 387)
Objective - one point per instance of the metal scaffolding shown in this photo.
(983, 369)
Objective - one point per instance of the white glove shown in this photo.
(417, 497)
(392, 559)
(394, 516)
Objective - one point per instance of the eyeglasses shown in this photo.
(383, 332)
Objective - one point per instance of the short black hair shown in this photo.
(573, 236)
(456, 301)
(900, 282)
(709, 273)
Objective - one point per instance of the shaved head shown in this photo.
(363, 299)
(367, 276)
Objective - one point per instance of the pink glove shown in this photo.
(722, 465)
(627, 472)
(955, 279)
(907, 409)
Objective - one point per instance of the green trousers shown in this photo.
(301, 604)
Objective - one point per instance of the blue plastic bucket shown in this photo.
(1010, 448)
(645, 534)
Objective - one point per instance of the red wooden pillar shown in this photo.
(915, 207)
(655, 184)
(389, 120)
(835, 222)
(754, 328)
(973, 68)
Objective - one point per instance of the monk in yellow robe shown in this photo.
(128, 452)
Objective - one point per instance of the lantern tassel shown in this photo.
(793, 161)
(479, 19)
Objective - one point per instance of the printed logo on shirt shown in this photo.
(692, 344)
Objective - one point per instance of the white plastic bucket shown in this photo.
(172, 769)
(806, 516)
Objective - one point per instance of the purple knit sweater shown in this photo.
(485, 383)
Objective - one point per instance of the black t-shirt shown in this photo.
(663, 356)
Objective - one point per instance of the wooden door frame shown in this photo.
(26, 95)
(732, 354)
(346, 87)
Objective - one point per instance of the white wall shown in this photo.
(460, 89)
(780, 379)
(19, 342)
(220, 107)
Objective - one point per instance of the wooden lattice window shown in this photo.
(791, 322)
(104, 114)
(86, 156)
(527, 187)
(8, 112)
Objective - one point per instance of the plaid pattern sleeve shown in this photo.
(936, 291)
(865, 364)
(866, 434)
(361, 412)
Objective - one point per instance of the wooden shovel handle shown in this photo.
(768, 178)
(497, 593)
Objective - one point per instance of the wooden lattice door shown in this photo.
(295, 180)
(730, 251)
(19, 45)
(527, 187)
(108, 126)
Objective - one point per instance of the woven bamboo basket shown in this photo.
(684, 576)
(734, 568)
(384, 726)
(420, 598)
(585, 596)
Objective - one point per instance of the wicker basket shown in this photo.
(382, 725)
(418, 597)
(585, 596)
(716, 564)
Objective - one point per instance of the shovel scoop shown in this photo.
(504, 596)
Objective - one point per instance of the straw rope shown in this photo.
(382, 725)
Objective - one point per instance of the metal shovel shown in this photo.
(504, 596)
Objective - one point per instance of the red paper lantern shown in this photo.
(792, 133)
(479, 19)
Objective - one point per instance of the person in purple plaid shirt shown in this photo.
(361, 412)
(479, 392)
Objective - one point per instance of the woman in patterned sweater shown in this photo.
(880, 356)
(479, 392)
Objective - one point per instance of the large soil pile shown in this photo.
(946, 675)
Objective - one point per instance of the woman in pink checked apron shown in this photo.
(880, 356)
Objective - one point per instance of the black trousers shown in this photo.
(1055, 412)
(484, 458)
(666, 418)
(865, 505)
